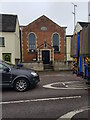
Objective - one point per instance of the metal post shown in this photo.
(89, 11)
(74, 13)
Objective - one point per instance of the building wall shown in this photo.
(41, 36)
(68, 49)
(17, 41)
(12, 44)
(9, 45)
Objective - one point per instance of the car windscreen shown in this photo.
(10, 65)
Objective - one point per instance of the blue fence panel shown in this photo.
(78, 44)
(80, 64)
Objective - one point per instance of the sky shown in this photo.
(58, 11)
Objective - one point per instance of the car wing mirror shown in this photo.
(6, 69)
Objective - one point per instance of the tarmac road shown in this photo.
(58, 95)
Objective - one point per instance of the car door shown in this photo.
(0, 74)
(5, 75)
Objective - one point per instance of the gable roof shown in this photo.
(84, 24)
(7, 23)
(44, 18)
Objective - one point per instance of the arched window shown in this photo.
(32, 42)
(56, 42)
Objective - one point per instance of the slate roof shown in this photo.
(7, 23)
(84, 24)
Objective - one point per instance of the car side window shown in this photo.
(1, 67)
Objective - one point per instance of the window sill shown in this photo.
(2, 46)
(30, 52)
(56, 52)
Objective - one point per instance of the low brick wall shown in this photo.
(33, 65)
(61, 65)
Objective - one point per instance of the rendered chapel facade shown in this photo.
(43, 41)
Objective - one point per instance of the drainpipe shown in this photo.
(20, 45)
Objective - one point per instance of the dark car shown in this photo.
(20, 79)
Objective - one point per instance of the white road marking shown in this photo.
(40, 100)
(71, 85)
(64, 84)
(69, 115)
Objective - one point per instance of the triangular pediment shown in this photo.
(45, 46)
(43, 19)
(44, 23)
